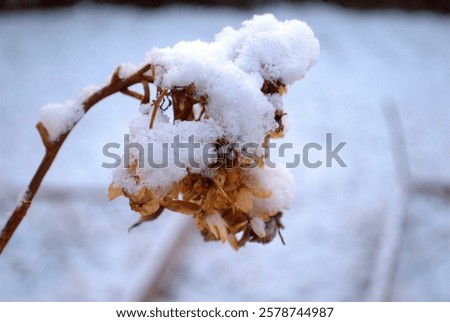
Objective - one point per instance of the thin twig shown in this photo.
(133, 94)
(203, 101)
(146, 98)
(52, 147)
(156, 105)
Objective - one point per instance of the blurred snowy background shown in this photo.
(353, 234)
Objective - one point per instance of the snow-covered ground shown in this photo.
(342, 231)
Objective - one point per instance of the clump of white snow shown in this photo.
(279, 181)
(127, 69)
(60, 118)
(276, 50)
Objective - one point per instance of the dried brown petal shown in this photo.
(114, 192)
(258, 227)
(184, 207)
(261, 194)
(244, 200)
(149, 208)
(217, 227)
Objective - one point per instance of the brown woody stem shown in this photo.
(116, 85)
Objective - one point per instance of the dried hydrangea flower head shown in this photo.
(224, 99)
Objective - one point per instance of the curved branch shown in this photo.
(116, 85)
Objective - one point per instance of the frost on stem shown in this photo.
(225, 93)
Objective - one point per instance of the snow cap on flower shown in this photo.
(276, 50)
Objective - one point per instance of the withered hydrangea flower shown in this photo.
(224, 98)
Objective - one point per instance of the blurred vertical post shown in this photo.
(387, 260)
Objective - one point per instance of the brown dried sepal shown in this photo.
(114, 192)
(277, 87)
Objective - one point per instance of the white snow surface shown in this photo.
(74, 246)
(279, 181)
